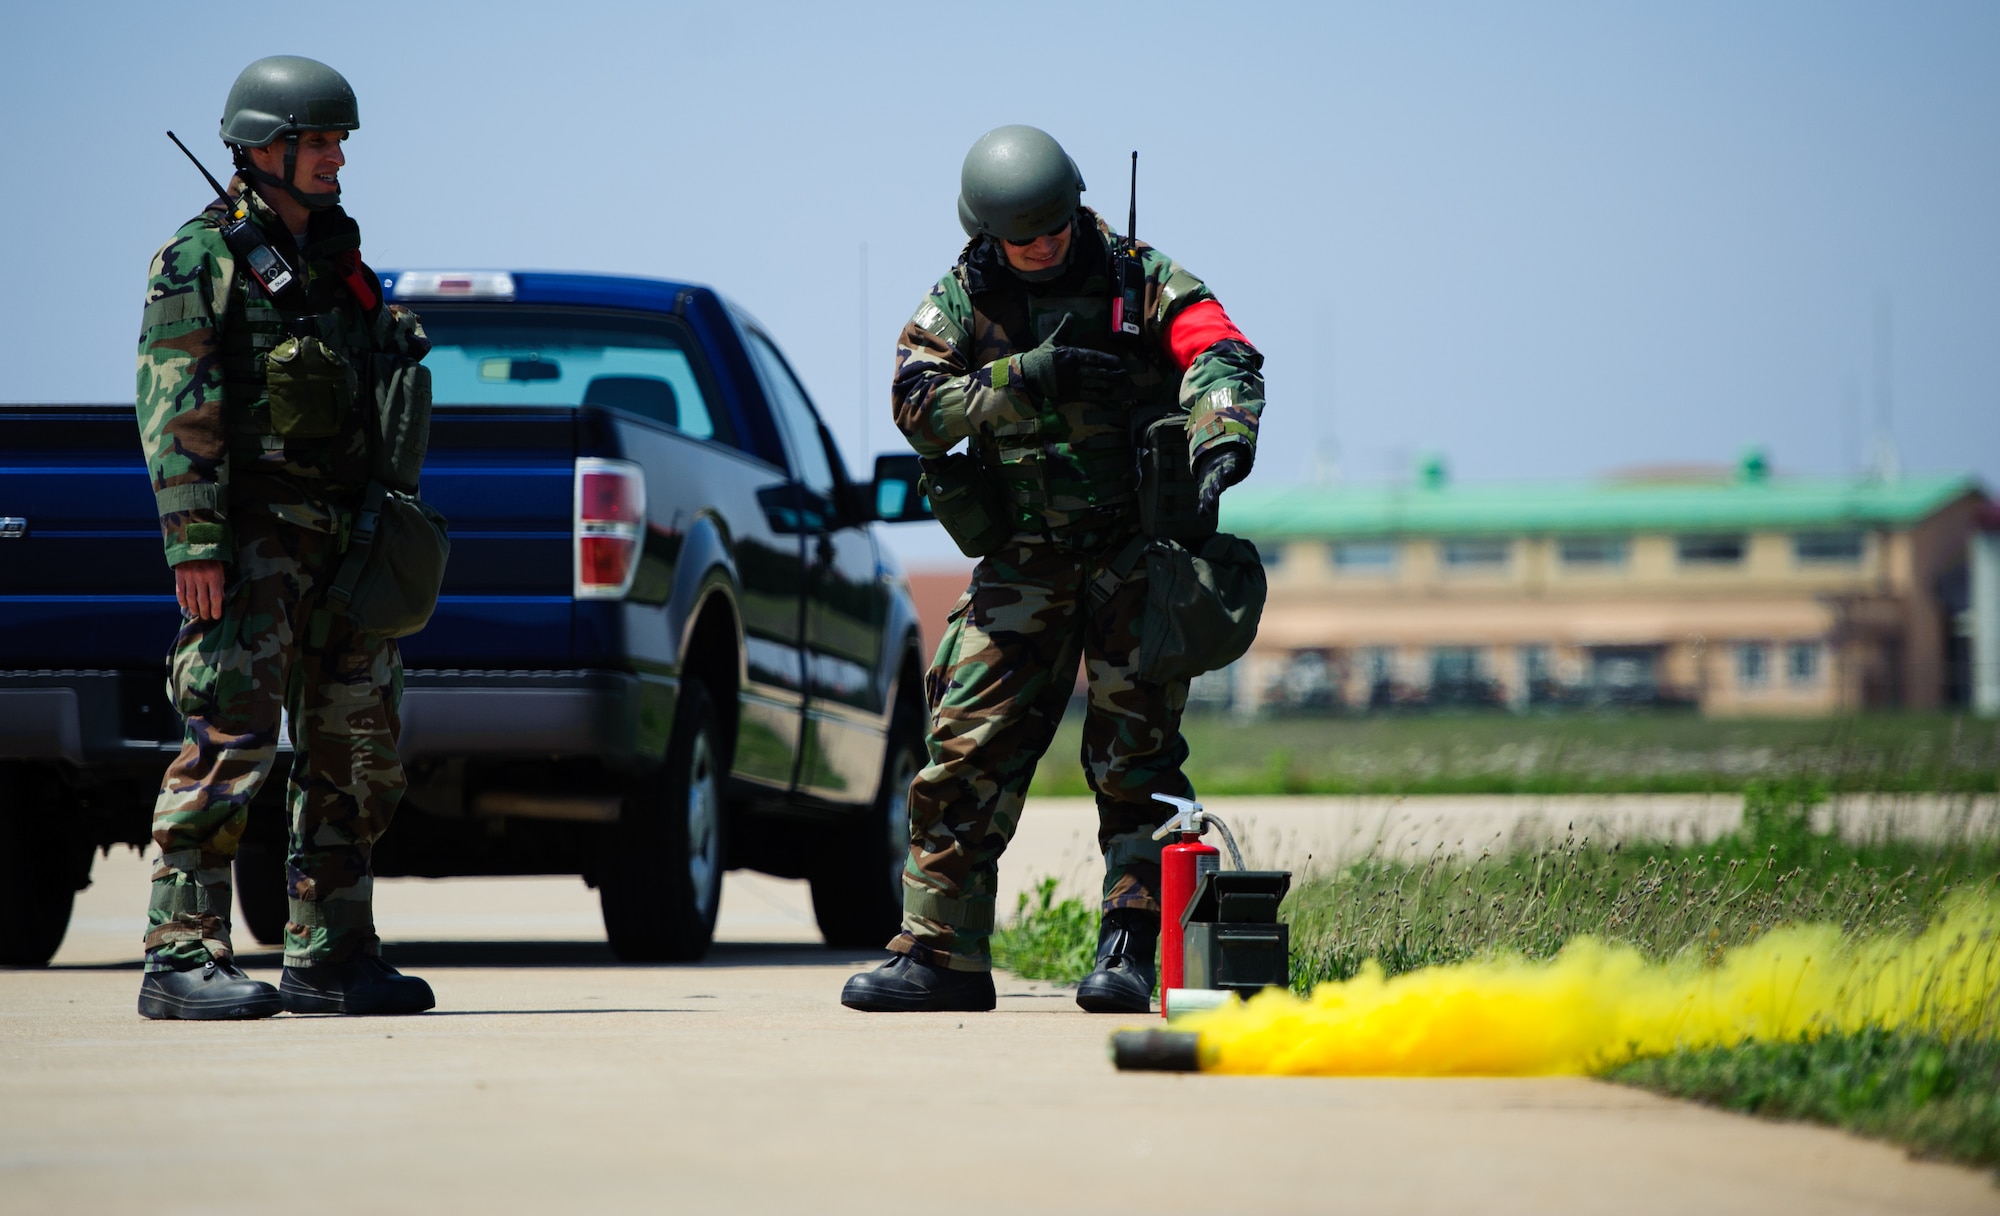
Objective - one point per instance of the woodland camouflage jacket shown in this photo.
(958, 375)
(203, 410)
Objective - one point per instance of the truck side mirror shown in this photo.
(898, 494)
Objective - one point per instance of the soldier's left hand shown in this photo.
(1215, 471)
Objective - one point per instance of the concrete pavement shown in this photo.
(552, 1078)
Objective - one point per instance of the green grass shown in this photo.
(1933, 1096)
(1560, 754)
(1658, 898)
(1049, 938)
(1936, 1097)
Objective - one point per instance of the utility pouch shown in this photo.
(387, 584)
(401, 434)
(311, 386)
(1168, 491)
(1203, 602)
(965, 501)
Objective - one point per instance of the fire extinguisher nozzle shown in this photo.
(1156, 1051)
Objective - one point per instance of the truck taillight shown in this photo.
(610, 527)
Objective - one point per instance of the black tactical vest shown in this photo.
(254, 325)
(1072, 466)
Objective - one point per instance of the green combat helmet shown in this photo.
(280, 96)
(1017, 184)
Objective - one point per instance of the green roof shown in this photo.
(1321, 511)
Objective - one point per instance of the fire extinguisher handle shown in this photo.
(1188, 817)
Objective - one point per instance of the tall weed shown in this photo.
(1660, 898)
(1048, 938)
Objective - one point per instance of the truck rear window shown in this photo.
(557, 357)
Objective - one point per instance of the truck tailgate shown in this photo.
(86, 586)
(504, 478)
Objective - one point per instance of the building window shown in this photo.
(1827, 548)
(1307, 681)
(1364, 557)
(1272, 556)
(1475, 553)
(1802, 664)
(1538, 683)
(1711, 550)
(1600, 552)
(1458, 677)
(1753, 664)
(1625, 674)
(1378, 664)
(1454, 664)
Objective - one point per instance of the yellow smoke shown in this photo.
(1596, 1005)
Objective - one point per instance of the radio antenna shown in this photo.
(1131, 218)
(224, 194)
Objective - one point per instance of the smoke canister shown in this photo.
(1156, 1051)
(1181, 866)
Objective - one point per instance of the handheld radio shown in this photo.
(264, 263)
(1129, 304)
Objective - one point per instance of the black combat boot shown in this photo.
(201, 991)
(905, 985)
(363, 985)
(1123, 982)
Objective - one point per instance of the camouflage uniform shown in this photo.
(1005, 668)
(276, 510)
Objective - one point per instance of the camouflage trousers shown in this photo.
(997, 689)
(276, 648)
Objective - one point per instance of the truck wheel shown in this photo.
(260, 890)
(660, 878)
(41, 824)
(857, 892)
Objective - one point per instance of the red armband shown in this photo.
(359, 280)
(1196, 328)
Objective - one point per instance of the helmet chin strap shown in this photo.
(312, 202)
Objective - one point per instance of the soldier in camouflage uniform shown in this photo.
(250, 407)
(1013, 352)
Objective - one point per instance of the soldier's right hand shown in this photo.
(1076, 373)
(198, 587)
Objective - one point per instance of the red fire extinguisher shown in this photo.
(1182, 863)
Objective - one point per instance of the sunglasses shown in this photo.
(1058, 230)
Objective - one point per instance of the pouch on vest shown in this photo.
(402, 423)
(1169, 495)
(388, 582)
(973, 513)
(311, 388)
(1203, 602)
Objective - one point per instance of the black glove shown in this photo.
(1076, 373)
(1215, 471)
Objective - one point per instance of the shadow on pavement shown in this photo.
(417, 955)
(488, 1013)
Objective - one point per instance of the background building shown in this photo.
(1738, 593)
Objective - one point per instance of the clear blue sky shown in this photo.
(1542, 239)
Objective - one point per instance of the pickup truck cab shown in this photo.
(669, 641)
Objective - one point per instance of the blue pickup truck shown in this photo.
(669, 642)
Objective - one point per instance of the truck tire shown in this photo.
(659, 880)
(44, 826)
(261, 894)
(857, 891)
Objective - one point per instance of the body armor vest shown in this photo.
(254, 326)
(1073, 465)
